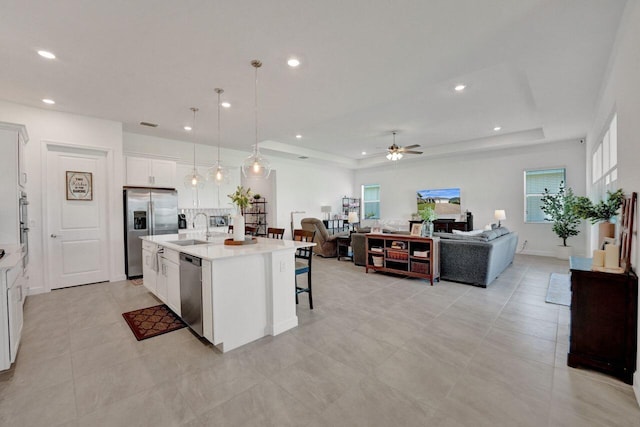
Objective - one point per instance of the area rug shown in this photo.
(136, 282)
(152, 321)
(559, 291)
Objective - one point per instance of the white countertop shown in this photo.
(12, 256)
(216, 249)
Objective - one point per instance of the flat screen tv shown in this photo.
(445, 201)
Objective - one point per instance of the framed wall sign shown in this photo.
(79, 185)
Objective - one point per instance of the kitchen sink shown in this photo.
(189, 242)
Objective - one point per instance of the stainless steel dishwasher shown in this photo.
(191, 291)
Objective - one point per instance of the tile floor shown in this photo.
(377, 351)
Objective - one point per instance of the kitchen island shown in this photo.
(248, 291)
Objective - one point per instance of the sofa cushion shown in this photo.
(485, 236)
(467, 233)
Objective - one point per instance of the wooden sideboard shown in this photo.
(604, 319)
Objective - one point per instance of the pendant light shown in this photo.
(255, 166)
(218, 173)
(194, 179)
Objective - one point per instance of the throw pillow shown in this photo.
(468, 233)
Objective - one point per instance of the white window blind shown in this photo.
(535, 181)
(371, 201)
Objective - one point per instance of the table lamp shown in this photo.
(353, 218)
(499, 214)
(326, 210)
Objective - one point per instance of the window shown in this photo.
(371, 201)
(604, 160)
(535, 181)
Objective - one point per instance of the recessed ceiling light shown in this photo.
(225, 104)
(293, 62)
(460, 88)
(497, 128)
(187, 128)
(46, 54)
(49, 101)
(364, 153)
(298, 136)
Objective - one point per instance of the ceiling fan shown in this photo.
(394, 152)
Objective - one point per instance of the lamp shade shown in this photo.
(353, 218)
(499, 214)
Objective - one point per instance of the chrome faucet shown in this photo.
(206, 221)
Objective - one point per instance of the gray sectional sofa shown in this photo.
(475, 260)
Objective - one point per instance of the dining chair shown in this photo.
(249, 230)
(275, 233)
(303, 262)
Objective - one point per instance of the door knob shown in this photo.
(54, 236)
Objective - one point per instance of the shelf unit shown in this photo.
(407, 255)
(256, 216)
(350, 204)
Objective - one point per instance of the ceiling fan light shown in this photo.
(390, 156)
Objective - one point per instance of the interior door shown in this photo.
(77, 230)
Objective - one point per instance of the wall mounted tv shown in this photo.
(445, 201)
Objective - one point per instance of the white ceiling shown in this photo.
(533, 67)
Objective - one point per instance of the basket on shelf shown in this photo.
(419, 267)
(377, 261)
(397, 255)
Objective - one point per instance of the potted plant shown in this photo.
(428, 215)
(241, 198)
(560, 208)
(602, 212)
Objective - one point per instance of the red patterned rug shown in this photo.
(152, 321)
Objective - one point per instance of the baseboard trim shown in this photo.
(636, 386)
(537, 253)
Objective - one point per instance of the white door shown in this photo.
(78, 250)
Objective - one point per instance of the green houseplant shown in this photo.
(560, 208)
(241, 197)
(602, 212)
(428, 215)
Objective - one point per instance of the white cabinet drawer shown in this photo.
(171, 255)
(148, 246)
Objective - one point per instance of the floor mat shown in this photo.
(152, 321)
(559, 291)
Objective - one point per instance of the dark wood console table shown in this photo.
(604, 320)
(444, 226)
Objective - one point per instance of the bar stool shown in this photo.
(275, 233)
(303, 262)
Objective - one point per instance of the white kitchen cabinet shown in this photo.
(146, 172)
(14, 177)
(168, 284)
(13, 287)
(149, 274)
(171, 264)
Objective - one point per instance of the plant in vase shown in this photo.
(602, 212)
(428, 215)
(560, 208)
(241, 198)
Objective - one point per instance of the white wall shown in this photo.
(47, 126)
(300, 185)
(621, 94)
(487, 181)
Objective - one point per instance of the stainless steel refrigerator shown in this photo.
(147, 212)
